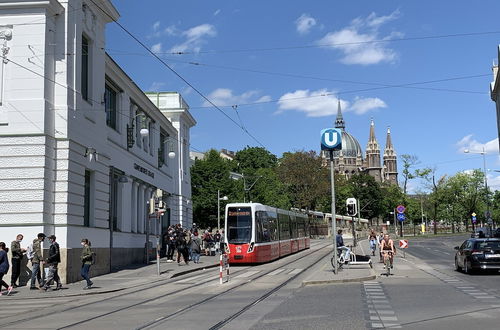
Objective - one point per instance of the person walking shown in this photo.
(4, 267)
(53, 260)
(86, 258)
(36, 272)
(196, 247)
(172, 240)
(17, 256)
(217, 241)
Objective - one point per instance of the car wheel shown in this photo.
(457, 267)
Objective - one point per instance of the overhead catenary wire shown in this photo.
(177, 74)
(291, 75)
(327, 45)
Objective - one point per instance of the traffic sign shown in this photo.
(490, 221)
(401, 217)
(331, 139)
(474, 214)
(400, 209)
(487, 214)
(403, 243)
(474, 220)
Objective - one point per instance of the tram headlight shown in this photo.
(250, 248)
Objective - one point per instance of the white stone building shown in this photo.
(82, 148)
(494, 92)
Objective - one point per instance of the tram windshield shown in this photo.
(239, 225)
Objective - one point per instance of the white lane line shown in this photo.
(386, 312)
(295, 271)
(248, 274)
(388, 318)
(276, 272)
(190, 279)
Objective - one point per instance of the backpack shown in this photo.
(30, 253)
(93, 258)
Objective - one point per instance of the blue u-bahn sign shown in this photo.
(331, 139)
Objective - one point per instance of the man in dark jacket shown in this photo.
(53, 260)
(17, 256)
(36, 272)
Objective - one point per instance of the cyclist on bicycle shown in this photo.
(341, 246)
(372, 237)
(387, 249)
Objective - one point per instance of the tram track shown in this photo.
(131, 291)
(227, 320)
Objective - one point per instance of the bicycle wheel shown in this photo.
(388, 265)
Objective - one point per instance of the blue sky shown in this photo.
(283, 65)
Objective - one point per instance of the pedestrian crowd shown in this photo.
(34, 255)
(189, 245)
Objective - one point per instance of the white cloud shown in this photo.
(156, 86)
(321, 103)
(363, 105)
(156, 48)
(469, 143)
(305, 23)
(217, 12)
(493, 182)
(195, 37)
(156, 26)
(356, 41)
(225, 97)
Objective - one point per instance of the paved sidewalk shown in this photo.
(123, 279)
(322, 273)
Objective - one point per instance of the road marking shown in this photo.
(276, 272)
(380, 312)
(295, 271)
(248, 274)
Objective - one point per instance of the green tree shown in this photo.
(250, 159)
(207, 176)
(306, 180)
(368, 193)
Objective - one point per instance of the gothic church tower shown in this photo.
(390, 161)
(372, 160)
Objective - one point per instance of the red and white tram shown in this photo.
(257, 233)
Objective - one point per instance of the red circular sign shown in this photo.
(401, 209)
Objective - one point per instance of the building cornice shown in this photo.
(53, 7)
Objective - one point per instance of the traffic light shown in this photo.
(352, 209)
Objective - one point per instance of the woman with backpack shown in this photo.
(4, 267)
(86, 258)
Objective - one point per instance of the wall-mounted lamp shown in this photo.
(91, 154)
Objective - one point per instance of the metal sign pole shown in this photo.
(334, 220)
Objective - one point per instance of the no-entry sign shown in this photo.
(403, 243)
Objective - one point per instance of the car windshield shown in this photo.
(487, 245)
(239, 225)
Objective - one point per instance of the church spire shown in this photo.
(339, 122)
(388, 141)
(390, 160)
(372, 137)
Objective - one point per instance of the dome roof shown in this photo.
(350, 146)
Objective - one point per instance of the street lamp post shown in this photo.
(218, 207)
(488, 213)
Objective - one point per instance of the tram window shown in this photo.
(293, 226)
(262, 227)
(284, 226)
(239, 224)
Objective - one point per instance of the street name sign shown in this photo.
(403, 243)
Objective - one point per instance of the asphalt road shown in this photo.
(425, 292)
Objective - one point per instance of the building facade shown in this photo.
(350, 161)
(494, 92)
(83, 149)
